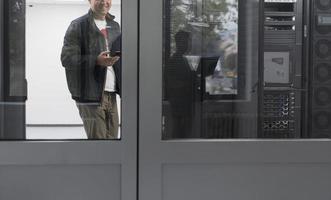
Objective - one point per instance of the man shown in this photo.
(180, 89)
(93, 72)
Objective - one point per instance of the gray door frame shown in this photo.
(118, 154)
(208, 164)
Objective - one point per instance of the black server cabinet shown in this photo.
(281, 103)
(319, 120)
(13, 84)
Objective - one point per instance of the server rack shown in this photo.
(283, 89)
(319, 114)
(13, 84)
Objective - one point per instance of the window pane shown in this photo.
(57, 84)
(219, 81)
(207, 82)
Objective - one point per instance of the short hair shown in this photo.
(182, 35)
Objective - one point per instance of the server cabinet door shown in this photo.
(199, 140)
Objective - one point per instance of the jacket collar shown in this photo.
(109, 19)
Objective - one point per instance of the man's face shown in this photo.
(100, 7)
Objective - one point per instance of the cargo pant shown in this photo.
(100, 121)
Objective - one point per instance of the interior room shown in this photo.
(50, 111)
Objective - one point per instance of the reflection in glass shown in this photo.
(17, 50)
(12, 73)
(180, 85)
(204, 86)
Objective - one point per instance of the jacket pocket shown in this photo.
(73, 80)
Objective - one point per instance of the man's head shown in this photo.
(100, 8)
(183, 41)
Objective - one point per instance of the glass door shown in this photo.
(221, 105)
(66, 69)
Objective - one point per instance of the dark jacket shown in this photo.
(83, 42)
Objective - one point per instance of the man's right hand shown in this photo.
(105, 60)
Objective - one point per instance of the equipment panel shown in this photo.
(282, 69)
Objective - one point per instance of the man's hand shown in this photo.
(105, 60)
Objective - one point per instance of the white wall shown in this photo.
(49, 100)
